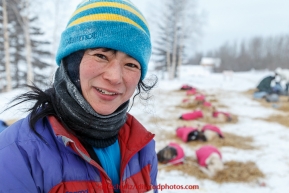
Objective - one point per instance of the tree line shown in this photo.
(255, 53)
(23, 50)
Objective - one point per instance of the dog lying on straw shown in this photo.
(210, 132)
(209, 159)
(172, 154)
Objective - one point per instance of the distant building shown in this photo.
(210, 63)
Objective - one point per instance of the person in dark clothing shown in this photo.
(265, 84)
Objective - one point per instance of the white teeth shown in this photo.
(106, 92)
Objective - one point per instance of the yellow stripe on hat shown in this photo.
(104, 17)
(110, 4)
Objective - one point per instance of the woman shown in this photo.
(79, 136)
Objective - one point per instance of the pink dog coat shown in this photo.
(185, 100)
(183, 132)
(180, 154)
(186, 87)
(192, 115)
(216, 114)
(212, 128)
(204, 152)
(200, 97)
(192, 91)
(207, 104)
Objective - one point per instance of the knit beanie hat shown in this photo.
(113, 24)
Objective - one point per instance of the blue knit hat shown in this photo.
(114, 24)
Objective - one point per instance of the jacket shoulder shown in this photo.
(14, 133)
(20, 132)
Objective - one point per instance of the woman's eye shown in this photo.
(101, 56)
(132, 65)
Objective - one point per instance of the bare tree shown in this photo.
(6, 46)
(23, 34)
(22, 16)
(55, 39)
(175, 27)
(26, 27)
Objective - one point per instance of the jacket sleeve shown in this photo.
(15, 174)
(154, 171)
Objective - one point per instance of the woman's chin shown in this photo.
(104, 111)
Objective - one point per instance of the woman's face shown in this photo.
(108, 78)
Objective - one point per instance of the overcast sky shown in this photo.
(235, 20)
(238, 19)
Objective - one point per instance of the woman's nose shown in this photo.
(113, 72)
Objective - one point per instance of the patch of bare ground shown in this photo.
(233, 172)
(213, 120)
(281, 119)
(174, 123)
(282, 105)
(250, 92)
(184, 92)
(209, 97)
(179, 91)
(229, 140)
(199, 105)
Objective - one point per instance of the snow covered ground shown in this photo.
(271, 138)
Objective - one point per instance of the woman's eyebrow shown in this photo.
(111, 50)
(105, 49)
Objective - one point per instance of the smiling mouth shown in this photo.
(106, 92)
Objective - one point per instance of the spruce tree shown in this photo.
(39, 47)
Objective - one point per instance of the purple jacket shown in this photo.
(59, 163)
